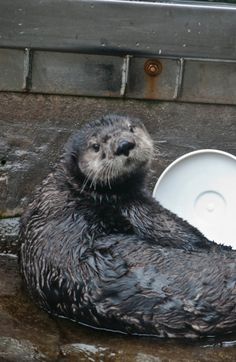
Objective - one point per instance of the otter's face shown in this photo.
(114, 148)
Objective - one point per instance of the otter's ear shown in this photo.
(71, 156)
(74, 161)
(71, 149)
(74, 156)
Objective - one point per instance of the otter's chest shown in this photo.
(110, 221)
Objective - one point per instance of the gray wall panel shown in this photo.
(11, 70)
(77, 74)
(162, 86)
(213, 82)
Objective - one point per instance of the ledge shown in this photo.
(189, 29)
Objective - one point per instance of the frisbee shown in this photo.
(200, 187)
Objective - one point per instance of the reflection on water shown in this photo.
(29, 334)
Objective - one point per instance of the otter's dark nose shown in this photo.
(124, 147)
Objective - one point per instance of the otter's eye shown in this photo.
(131, 128)
(96, 147)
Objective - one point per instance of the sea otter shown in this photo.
(98, 249)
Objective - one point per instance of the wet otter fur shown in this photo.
(98, 249)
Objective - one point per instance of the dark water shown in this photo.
(29, 334)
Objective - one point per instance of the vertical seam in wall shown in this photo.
(27, 75)
(179, 79)
(124, 75)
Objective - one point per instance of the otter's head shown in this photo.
(109, 151)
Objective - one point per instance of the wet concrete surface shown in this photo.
(9, 229)
(29, 334)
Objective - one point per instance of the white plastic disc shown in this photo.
(200, 187)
